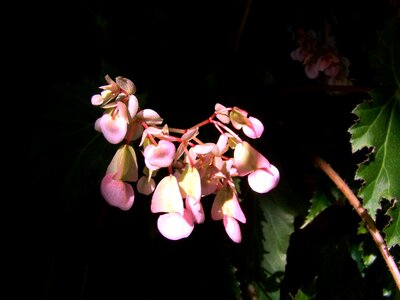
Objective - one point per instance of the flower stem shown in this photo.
(362, 212)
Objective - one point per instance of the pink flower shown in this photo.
(226, 207)
(117, 192)
(190, 186)
(262, 176)
(113, 128)
(252, 127)
(177, 222)
(159, 156)
(174, 226)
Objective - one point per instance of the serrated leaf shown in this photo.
(392, 231)
(319, 202)
(378, 128)
(277, 228)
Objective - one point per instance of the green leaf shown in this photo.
(361, 256)
(300, 295)
(277, 227)
(378, 126)
(319, 202)
(392, 231)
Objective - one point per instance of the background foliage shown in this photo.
(303, 240)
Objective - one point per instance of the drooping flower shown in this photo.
(252, 127)
(262, 176)
(177, 222)
(226, 207)
(117, 192)
(190, 185)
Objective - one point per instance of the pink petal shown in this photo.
(263, 180)
(159, 156)
(195, 207)
(113, 129)
(116, 192)
(312, 71)
(232, 228)
(247, 159)
(167, 197)
(97, 100)
(222, 113)
(174, 226)
(227, 204)
(124, 163)
(255, 130)
(133, 106)
(150, 116)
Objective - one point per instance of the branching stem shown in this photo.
(362, 212)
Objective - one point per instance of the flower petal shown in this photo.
(262, 180)
(195, 207)
(113, 129)
(174, 226)
(159, 156)
(116, 192)
(167, 197)
(248, 159)
(232, 228)
(255, 130)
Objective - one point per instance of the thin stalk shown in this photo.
(362, 212)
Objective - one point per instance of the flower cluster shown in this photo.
(195, 168)
(321, 57)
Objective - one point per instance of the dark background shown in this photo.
(183, 56)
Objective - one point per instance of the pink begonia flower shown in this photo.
(332, 71)
(327, 60)
(124, 163)
(312, 70)
(252, 127)
(195, 208)
(149, 116)
(113, 128)
(174, 226)
(178, 222)
(159, 156)
(167, 196)
(263, 180)
(222, 113)
(109, 92)
(226, 207)
(126, 84)
(255, 129)
(133, 107)
(190, 187)
(117, 192)
(232, 228)
(248, 161)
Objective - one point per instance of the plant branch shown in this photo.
(362, 212)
